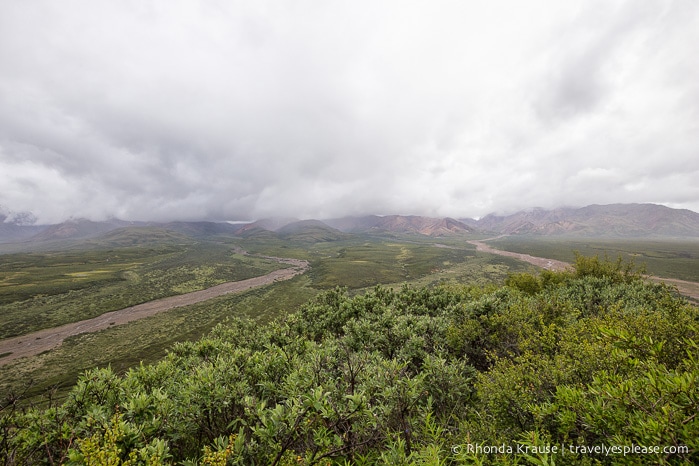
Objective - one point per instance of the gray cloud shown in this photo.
(183, 110)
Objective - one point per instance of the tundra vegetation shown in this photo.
(44, 290)
(47, 288)
(591, 357)
(664, 257)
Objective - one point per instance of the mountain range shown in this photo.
(614, 220)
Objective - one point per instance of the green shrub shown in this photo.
(591, 358)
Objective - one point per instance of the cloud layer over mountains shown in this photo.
(165, 110)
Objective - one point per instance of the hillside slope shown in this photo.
(411, 224)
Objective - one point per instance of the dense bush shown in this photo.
(582, 360)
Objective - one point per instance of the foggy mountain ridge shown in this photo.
(427, 226)
(613, 220)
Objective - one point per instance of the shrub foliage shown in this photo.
(582, 360)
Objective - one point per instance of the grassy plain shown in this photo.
(145, 340)
(666, 257)
(47, 289)
(77, 284)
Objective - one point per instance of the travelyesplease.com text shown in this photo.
(568, 449)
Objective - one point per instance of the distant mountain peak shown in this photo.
(17, 226)
(614, 220)
(17, 218)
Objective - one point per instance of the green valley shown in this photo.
(392, 347)
(588, 366)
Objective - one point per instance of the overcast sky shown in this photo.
(231, 110)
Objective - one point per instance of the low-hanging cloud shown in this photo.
(216, 110)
